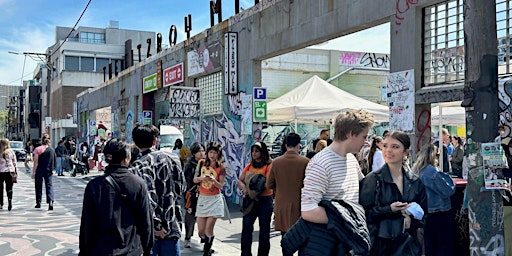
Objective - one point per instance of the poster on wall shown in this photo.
(203, 59)
(246, 114)
(495, 160)
(400, 93)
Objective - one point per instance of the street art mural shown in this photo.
(234, 147)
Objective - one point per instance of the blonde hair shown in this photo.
(4, 144)
(426, 156)
(321, 144)
(352, 121)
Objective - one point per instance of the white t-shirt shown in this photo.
(330, 176)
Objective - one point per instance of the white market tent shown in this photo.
(316, 100)
(451, 115)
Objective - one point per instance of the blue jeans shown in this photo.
(60, 160)
(262, 210)
(164, 247)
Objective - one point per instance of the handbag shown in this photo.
(14, 176)
(191, 199)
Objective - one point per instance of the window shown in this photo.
(100, 63)
(503, 21)
(211, 88)
(443, 41)
(87, 64)
(443, 54)
(92, 38)
(71, 63)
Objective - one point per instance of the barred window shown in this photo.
(503, 23)
(443, 43)
(211, 93)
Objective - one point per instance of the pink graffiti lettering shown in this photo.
(350, 58)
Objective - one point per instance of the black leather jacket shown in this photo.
(378, 191)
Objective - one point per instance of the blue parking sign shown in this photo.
(148, 114)
(260, 93)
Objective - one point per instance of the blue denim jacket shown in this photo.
(439, 186)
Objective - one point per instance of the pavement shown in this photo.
(28, 231)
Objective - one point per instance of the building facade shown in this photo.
(81, 59)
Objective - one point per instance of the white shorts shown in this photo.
(210, 206)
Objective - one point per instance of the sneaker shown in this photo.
(187, 243)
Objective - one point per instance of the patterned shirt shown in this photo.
(207, 187)
(166, 186)
(330, 176)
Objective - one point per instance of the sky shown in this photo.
(28, 26)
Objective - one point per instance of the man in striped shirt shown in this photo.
(334, 172)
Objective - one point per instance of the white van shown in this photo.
(168, 136)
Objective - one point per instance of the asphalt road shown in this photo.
(28, 231)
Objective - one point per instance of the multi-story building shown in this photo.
(11, 110)
(81, 59)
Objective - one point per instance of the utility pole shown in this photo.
(482, 117)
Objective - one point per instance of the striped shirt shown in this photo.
(330, 176)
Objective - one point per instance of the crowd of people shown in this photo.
(350, 196)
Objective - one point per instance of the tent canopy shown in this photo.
(452, 115)
(316, 100)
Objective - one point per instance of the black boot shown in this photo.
(50, 206)
(9, 207)
(207, 249)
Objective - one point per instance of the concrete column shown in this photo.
(406, 53)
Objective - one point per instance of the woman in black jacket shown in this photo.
(386, 194)
(117, 217)
(197, 151)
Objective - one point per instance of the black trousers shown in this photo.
(5, 177)
(440, 230)
(39, 187)
(262, 210)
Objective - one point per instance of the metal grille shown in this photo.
(443, 54)
(211, 93)
(503, 23)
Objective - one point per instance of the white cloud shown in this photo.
(23, 40)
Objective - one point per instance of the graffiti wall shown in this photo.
(364, 59)
(223, 130)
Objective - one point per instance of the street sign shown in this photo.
(149, 83)
(173, 75)
(259, 111)
(259, 107)
(147, 114)
(260, 93)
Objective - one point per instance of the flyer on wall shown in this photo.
(494, 161)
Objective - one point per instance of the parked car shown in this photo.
(18, 148)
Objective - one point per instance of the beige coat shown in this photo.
(286, 177)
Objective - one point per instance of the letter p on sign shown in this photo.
(260, 93)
